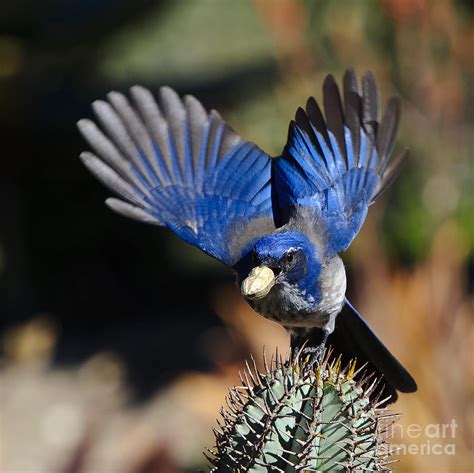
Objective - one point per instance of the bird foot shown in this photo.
(310, 347)
(313, 354)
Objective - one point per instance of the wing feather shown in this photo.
(387, 133)
(110, 178)
(176, 165)
(131, 211)
(110, 154)
(158, 129)
(138, 135)
(114, 126)
(336, 166)
(335, 119)
(370, 105)
(352, 112)
(197, 117)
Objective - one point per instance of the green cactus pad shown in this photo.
(296, 417)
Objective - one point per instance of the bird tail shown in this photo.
(353, 338)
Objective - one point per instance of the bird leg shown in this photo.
(310, 342)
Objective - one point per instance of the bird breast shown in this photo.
(332, 286)
(291, 306)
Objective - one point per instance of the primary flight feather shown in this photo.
(279, 223)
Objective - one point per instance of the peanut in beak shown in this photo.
(258, 283)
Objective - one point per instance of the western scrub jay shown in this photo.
(279, 223)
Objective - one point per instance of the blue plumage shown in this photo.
(278, 223)
(180, 167)
(321, 170)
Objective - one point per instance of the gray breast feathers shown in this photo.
(332, 285)
(292, 307)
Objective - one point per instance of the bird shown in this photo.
(279, 223)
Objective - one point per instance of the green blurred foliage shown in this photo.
(201, 39)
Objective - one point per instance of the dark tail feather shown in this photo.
(353, 338)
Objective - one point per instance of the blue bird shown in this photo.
(279, 223)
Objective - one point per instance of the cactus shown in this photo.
(301, 417)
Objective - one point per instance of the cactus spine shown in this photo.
(297, 417)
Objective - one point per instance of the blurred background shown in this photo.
(118, 341)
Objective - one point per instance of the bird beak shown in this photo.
(258, 283)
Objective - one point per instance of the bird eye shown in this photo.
(289, 257)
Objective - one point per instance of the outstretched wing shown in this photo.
(333, 168)
(178, 166)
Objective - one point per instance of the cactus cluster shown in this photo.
(300, 417)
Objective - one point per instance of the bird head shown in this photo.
(287, 257)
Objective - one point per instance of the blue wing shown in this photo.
(333, 168)
(178, 166)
